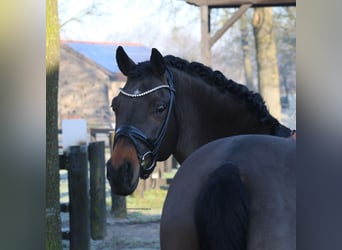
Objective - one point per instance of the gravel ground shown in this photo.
(124, 234)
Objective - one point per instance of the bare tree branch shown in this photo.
(93, 10)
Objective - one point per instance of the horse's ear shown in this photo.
(157, 62)
(124, 62)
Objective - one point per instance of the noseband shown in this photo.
(148, 159)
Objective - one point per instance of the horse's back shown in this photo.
(267, 167)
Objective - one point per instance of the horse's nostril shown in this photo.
(124, 174)
(121, 177)
(127, 171)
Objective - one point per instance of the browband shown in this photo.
(146, 92)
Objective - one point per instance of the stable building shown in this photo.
(89, 78)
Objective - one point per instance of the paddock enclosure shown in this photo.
(93, 217)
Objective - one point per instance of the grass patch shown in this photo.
(146, 209)
(171, 174)
(137, 217)
(151, 203)
(134, 243)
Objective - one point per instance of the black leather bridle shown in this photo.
(148, 159)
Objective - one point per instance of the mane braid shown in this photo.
(217, 79)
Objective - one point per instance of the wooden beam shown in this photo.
(232, 3)
(229, 23)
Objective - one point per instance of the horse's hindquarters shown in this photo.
(177, 232)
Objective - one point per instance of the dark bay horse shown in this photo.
(208, 206)
(170, 106)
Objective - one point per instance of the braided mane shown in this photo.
(216, 78)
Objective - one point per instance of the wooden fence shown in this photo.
(76, 162)
(87, 204)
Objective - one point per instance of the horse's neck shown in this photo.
(205, 114)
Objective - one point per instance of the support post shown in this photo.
(119, 208)
(78, 198)
(174, 163)
(96, 152)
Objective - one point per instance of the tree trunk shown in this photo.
(53, 223)
(268, 73)
(246, 52)
(205, 36)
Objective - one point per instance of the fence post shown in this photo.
(78, 198)
(119, 208)
(96, 152)
(174, 163)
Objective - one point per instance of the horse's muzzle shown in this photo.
(121, 178)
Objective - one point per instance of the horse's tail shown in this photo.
(222, 211)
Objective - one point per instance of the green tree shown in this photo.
(266, 56)
(53, 223)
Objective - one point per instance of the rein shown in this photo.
(148, 159)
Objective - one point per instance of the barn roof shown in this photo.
(103, 53)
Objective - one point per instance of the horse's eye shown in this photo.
(160, 109)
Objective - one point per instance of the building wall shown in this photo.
(84, 91)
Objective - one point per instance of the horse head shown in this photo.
(144, 119)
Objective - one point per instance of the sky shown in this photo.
(148, 22)
(171, 26)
